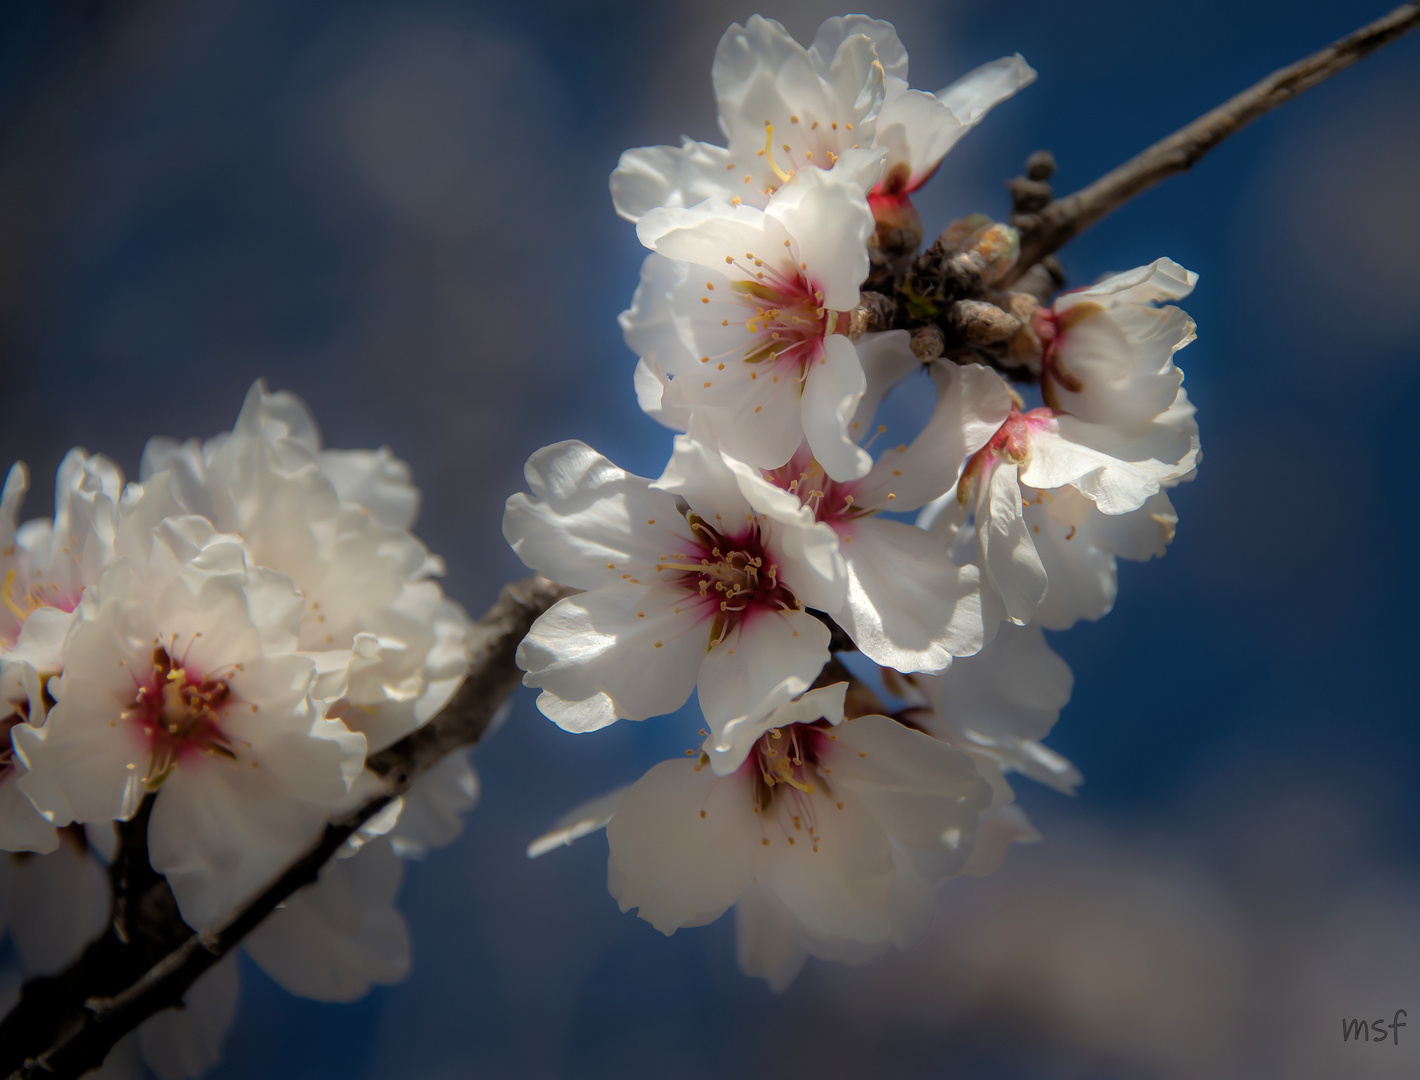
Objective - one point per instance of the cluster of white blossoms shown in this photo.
(775, 537)
(229, 636)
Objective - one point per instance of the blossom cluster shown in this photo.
(220, 645)
(829, 799)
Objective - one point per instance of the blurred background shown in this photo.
(400, 212)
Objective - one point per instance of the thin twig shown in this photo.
(78, 1025)
(1059, 221)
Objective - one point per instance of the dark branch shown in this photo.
(1057, 222)
(65, 1025)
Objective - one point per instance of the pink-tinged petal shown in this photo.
(834, 386)
(766, 943)
(1116, 371)
(763, 663)
(827, 220)
(1011, 572)
(909, 606)
(972, 404)
(654, 176)
(682, 845)
(917, 130)
(588, 522)
(619, 652)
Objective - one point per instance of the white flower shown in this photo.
(917, 128)
(1107, 351)
(181, 678)
(714, 595)
(739, 308)
(838, 831)
(784, 108)
(1053, 500)
(389, 644)
(182, 1044)
(44, 565)
(909, 606)
(333, 940)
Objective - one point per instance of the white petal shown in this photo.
(178, 1044)
(432, 814)
(1013, 689)
(1011, 570)
(332, 941)
(979, 91)
(1162, 279)
(762, 664)
(705, 479)
(584, 513)
(586, 819)
(909, 606)
(619, 652)
(57, 904)
(834, 386)
(835, 31)
(652, 176)
(828, 221)
(972, 404)
(918, 130)
(1117, 470)
(765, 943)
(682, 845)
(925, 794)
(728, 749)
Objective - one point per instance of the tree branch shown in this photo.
(66, 1024)
(1058, 222)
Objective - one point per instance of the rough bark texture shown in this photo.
(64, 1025)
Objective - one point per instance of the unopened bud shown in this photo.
(980, 323)
(928, 343)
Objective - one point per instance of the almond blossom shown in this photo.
(713, 595)
(44, 566)
(832, 832)
(1107, 351)
(389, 644)
(739, 310)
(909, 606)
(784, 108)
(1053, 500)
(181, 678)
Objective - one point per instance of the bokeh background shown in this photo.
(399, 211)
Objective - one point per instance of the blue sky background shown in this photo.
(399, 211)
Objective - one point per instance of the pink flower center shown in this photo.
(732, 577)
(18, 604)
(178, 712)
(831, 501)
(782, 311)
(1010, 443)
